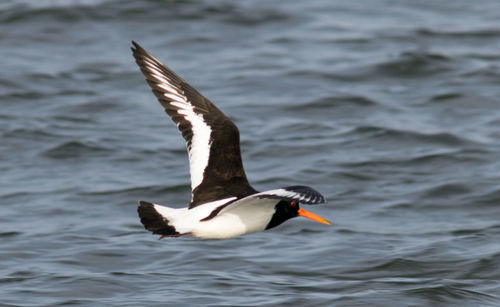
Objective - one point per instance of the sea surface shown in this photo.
(391, 109)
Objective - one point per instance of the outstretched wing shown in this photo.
(302, 194)
(212, 139)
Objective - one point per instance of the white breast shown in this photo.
(242, 217)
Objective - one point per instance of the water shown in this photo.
(390, 109)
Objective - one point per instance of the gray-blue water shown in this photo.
(390, 108)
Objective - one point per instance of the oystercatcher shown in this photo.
(223, 204)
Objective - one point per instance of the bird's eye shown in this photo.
(293, 204)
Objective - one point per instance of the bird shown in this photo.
(223, 204)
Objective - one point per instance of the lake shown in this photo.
(391, 109)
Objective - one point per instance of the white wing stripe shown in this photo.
(287, 194)
(156, 71)
(174, 97)
(199, 149)
(279, 192)
(199, 144)
(165, 82)
(170, 89)
(183, 105)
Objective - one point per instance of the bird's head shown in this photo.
(285, 210)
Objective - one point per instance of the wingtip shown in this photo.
(136, 48)
(145, 203)
(142, 56)
(304, 194)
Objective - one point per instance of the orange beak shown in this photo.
(313, 216)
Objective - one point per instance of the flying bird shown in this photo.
(223, 204)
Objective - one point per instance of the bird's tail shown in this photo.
(158, 219)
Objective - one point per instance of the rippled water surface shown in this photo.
(390, 108)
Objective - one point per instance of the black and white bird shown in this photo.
(223, 204)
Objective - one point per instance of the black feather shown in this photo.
(153, 221)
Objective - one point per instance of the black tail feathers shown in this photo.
(154, 221)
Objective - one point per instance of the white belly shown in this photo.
(236, 222)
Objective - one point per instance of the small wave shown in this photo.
(412, 64)
(445, 97)
(73, 119)
(28, 95)
(70, 11)
(352, 75)
(22, 13)
(196, 38)
(452, 294)
(356, 40)
(7, 117)
(7, 83)
(401, 206)
(30, 134)
(484, 56)
(247, 17)
(405, 136)
(476, 231)
(281, 40)
(168, 194)
(489, 73)
(488, 199)
(33, 95)
(354, 176)
(484, 267)
(154, 189)
(78, 11)
(334, 101)
(97, 67)
(9, 234)
(429, 159)
(39, 76)
(446, 190)
(403, 265)
(91, 107)
(398, 267)
(75, 149)
(473, 33)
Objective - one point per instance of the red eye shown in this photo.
(293, 204)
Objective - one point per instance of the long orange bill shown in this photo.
(313, 216)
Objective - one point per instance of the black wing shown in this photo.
(212, 139)
(302, 194)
